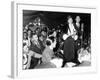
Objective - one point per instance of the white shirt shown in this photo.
(72, 29)
(78, 25)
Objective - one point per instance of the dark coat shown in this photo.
(39, 50)
(68, 47)
(79, 32)
(36, 49)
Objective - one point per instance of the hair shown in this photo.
(25, 33)
(45, 29)
(30, 25)
(48, 43)
(32, 35)
(52, 38)
(50, 33)
(37, 28)
(29, 30)
(69, 17)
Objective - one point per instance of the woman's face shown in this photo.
(25, 35)
(37, 31)
(70, 20)
(41, 38)
(29, 33)
(26, 27)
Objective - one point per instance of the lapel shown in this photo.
(37, 45)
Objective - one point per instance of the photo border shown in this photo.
(17, 23)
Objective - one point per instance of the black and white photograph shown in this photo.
(55, 39)
(52, 40)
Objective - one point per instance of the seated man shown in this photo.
(35, 52)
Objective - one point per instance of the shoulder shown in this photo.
(74, 25)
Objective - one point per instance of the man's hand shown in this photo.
(37, 55)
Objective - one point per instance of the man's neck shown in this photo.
(77, 22)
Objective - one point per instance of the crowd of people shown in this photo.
(46, 47)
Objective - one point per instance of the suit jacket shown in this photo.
(79, 32)
(35, 48)
(66, 27)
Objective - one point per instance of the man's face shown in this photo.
(41, 38)
(70, 20)
(34, 38)
(78, 19)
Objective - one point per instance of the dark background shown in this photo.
(54, 19)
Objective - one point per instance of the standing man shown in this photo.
(78, 42)
(69, 52)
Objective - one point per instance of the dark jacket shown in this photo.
(79, 32)
(68, 47)
(37, 49)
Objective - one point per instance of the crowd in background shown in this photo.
(43, 45)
